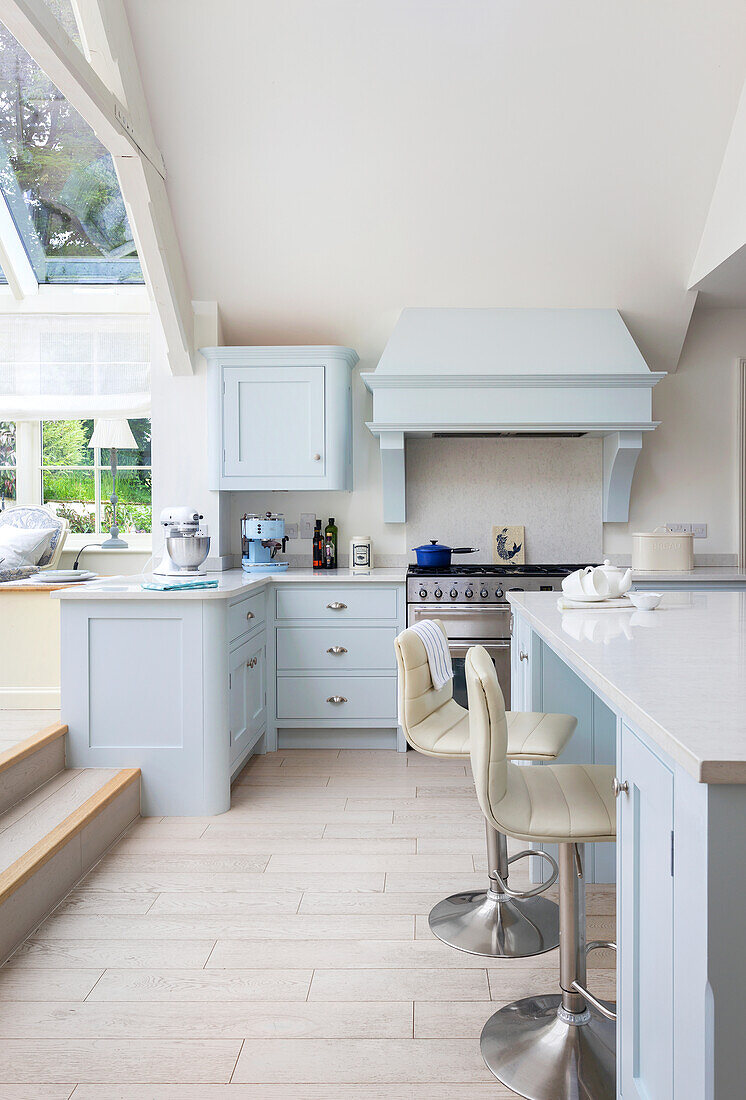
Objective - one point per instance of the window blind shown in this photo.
(71, 367)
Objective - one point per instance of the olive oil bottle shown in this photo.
(330, 544)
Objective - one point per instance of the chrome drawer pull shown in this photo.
(249, 614)
(337, 606)
(252, 662)
(523, 656)
(337, 649)
(336, 699)
(620, 787)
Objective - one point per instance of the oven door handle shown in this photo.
(460, 649)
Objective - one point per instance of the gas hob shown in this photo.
(481, 584)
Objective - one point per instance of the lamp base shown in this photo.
(114, 543)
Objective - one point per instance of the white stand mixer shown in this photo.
(187, 544)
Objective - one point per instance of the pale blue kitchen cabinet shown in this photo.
(645, 920)
(280, 417)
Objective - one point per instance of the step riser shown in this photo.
(30, 764)
(23, 777)
(35, 898)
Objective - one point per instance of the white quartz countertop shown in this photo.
(232, 582)
(677, 673)
(700, 575)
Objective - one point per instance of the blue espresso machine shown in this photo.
(261, 538)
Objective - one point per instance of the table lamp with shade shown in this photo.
(114, 435)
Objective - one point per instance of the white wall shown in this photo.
(687, 471)
(332, 162)
(179, 445)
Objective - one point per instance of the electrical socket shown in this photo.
(699, 530)
(679, 528)
(291, 530)
(307, 524)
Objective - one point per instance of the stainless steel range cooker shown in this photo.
(471, 602)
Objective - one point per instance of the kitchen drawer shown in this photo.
(246, 615)
(307, 647)
(366, 697)
(357, 602)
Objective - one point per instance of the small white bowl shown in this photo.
(645, 601)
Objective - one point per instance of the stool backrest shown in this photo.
(488, 729)
(418, 698)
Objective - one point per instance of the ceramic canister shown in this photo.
(361, 553)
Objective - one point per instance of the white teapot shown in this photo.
(619, 580)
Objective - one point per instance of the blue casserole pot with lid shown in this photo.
(434, 555)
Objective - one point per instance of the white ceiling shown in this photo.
(332, 161)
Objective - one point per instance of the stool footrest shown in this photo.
(540, 889)
(596, 945)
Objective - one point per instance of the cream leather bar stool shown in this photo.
(562, 1046)
(498, 921)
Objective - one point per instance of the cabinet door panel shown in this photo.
(248, 710)
(274, 422)
(645, 923)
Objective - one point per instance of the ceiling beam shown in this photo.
(32, 24)
(107, 92)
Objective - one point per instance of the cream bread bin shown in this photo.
(662, 551)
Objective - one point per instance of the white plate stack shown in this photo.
(64, 576)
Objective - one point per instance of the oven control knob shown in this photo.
(468, 593)
(437, 593)
(499, 592)
(453, 593)
(423, 593)
(484, 593)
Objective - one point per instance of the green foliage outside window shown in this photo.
(7, 461)
(69, 477)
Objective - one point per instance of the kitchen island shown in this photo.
(187, 685)
(675, 682)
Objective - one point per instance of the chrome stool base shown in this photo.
(480, 924)
(538, 1054)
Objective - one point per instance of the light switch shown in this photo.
(291, 530)
(307, 524)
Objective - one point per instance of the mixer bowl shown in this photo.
(188, 551)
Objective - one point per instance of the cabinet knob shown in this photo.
(523, 656)
(337, 606)
(317, 458)
(336, 699)
(336, 650)
(620, 787)
(249, 614)
(252, 662)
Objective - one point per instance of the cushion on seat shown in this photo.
(558, 803)
(445, 732)
(536, 736)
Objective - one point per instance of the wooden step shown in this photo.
(31, 763)
(49, 840)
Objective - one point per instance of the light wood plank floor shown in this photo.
(17, 725)
(279, 950)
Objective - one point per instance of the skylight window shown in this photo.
(58, 181)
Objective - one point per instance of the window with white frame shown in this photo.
(51, 462)
(58, 374)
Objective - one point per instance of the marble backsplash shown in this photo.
(459, 488)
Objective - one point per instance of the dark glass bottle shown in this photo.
(318, 546)
(330, 545)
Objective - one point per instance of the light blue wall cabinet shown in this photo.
(645, 921)
(280, 417)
